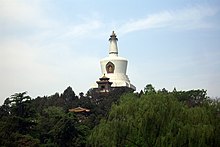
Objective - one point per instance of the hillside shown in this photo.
(149, 118)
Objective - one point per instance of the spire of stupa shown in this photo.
(113, 48)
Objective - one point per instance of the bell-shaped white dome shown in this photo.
(115, 67)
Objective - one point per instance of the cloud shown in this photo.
(188, 18)
(47, 60)
(14, 13)
(81, 30)
(25, 67)
(21, 19)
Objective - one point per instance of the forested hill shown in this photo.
(119, 118)
(47, 120)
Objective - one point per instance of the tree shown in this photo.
(149, 89)
(163, 91)
(59, 128)
(156, 120)
(18, 121)
(20, 111)
(192, 97)
(69, 94)
(17, 103)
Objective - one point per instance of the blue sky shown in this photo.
(48, 45)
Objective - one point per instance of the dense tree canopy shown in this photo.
(159, 119)
(149, 118)
(17, 120)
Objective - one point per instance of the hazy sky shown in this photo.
(48, 45)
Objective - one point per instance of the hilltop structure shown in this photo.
(114, 68)
(103, 84)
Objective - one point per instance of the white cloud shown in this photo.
(81, 30)
(23, 68)
(15, 13)
(188, 18)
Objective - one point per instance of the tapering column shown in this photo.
(113, 48)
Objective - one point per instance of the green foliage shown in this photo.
(149, 89)
(149, 118)
(192, 97)
(17, 121)
(156, 119)
(59, 128)
(23, 140)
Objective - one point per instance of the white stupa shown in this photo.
(115, 67)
